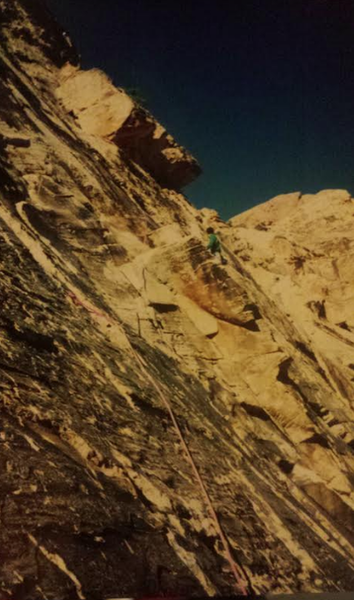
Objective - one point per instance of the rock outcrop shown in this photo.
(112, 312)
(103, 110)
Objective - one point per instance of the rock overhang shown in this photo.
(103, 110)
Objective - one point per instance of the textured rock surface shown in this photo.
(102, 268)
(102, 109)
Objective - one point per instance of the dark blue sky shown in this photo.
(262, 92)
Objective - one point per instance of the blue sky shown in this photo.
(261, 92)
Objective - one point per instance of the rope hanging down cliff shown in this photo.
(235, 569)
(240, 583)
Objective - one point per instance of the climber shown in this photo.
(214, 246)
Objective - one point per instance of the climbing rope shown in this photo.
(85, 305)
(239, 581)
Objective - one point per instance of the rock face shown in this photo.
(112, 311)
(103, 110)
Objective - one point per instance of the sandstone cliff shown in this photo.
(113, 311)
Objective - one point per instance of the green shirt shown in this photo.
(214, 244)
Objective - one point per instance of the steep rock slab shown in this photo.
(97, 497)
(111, 455)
